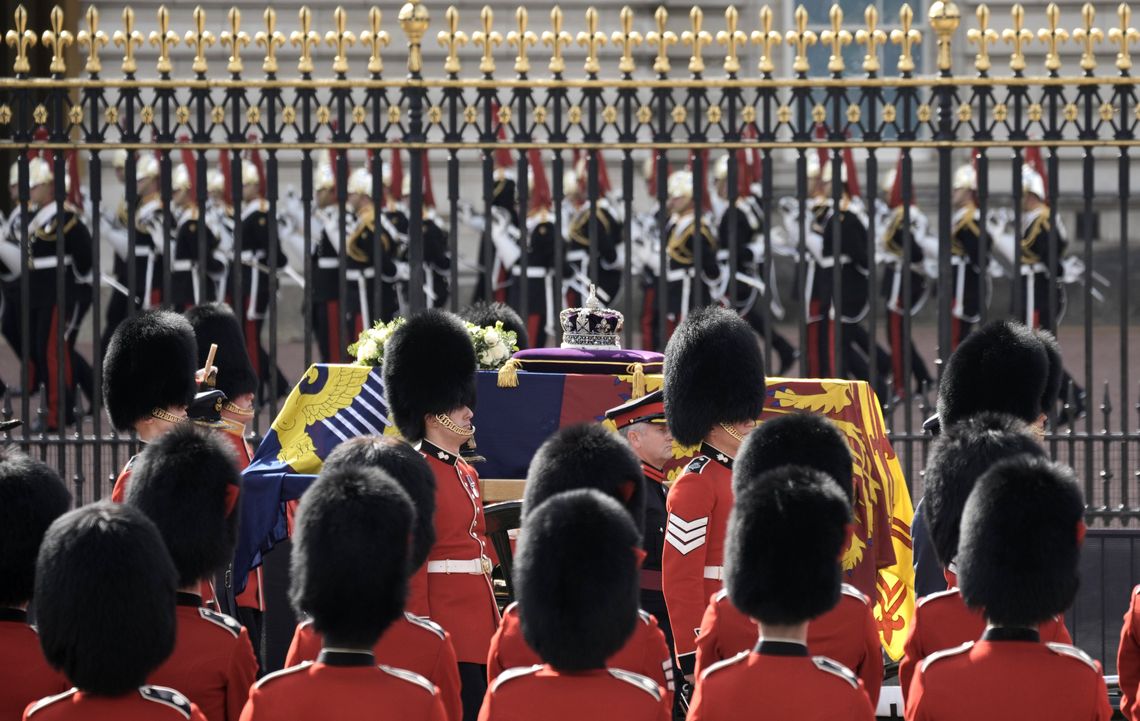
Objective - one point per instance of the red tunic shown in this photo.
(779, 681)
(25, 675)
(1128, 659)
(942, 620)
(345, 687)
(692, 562)
(212, 663)
(148, 703)
(519, 694)
(411, 643)
(644, 653)
(847, 633)
(1008, 675)
(462, 602)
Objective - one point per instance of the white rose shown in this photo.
(367, 350)
(491, 337)
(501, 352)
(485, 358)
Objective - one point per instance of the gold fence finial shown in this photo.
(697, 39)
(453, 38)
(907, 37)
(92, 38)
(21, 38)
(557, 39)
(199, 38)
(1124, 36)
(57, 39)
(944, 19)
(520, 38)
(592, 39)
(128, 39)
(732, 39)
(164, 38)
(835, 38)
(766, 37)
(983, 36)
(342, 39)
(627, 38)
(662, 38)
(872, 37)
(306, 38)
(1017, 36)
(376, 40)
(1053, 36)
(1088, 36)
(801, 39)
(270, 39)
(414, 19)
(488, 39)
(236, 39)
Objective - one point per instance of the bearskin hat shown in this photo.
(486, 314)
(429, 367)
(789, 507)
(408, 468)
(586, 455)
(1020, 547)
(1001, 367)
(1056, 373)
(185, 482)
(713, 374)
(349, 564)
(958, 458)
(796, 439)
(149, 363)
(216, 323)
(31, 497)
(105, 598)
(590, 532)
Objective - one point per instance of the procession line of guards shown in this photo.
(718, 597)
(368, 231)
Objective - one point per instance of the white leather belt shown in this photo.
(476, 566)
(714, 573)
(532, 271)
(181, 266)
(48, 261)
(328, 263)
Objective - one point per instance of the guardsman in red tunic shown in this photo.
(848, 633)
(1128, 659)
(429, 383)
(349, 571)
(787, 532)
(31, 497)
(1017, 563)
(107, 626)
(186, 482)
(714, 392)
(587, 456)
(412, 642)
(958, 457)
(576, 579)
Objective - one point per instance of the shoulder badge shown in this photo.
(45, 702)
(283, 672)
(936, 595)
(221, 620)
(1064, 649)
(848, 590)
(426, 624)
(725, 663)
(638, 681)
(945, 653)
(697, 464)
(513, 673)
(827, 665)
(167, 697)
(410, 677)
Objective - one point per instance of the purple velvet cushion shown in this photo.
(579, 360)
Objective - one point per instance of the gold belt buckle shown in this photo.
(486, 565)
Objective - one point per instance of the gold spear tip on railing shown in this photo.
(92, 38)
(697, 39)
(128, 39)
(732, 39)
(235, 39)
(521, 38)
(453, 38)
(57, 39)
(1053, 36)
(906, 37)
(591, 39)
(766, 37)
(164, 38)
(341, 39)
(1088, 36)
(983, 36)
(21, 38)
(199, 38)
(376, 39)
(1124, 36)
(835, 38)
(662, 38)
(488, 39)
(1017, 36)
(270, 39)
(306, 38)
(627, 38)
(873, 38)
(801, 39)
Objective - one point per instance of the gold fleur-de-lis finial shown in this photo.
(21, 38)
(521, 39)
(1124, 36)
(235, 38)
(835, 38)
(342, 39)
(128, 39)
(983, 36)
(488, 39)
(57, 39)
(732, 39)
(453, 38)
(592, 39)
(1088, 36)
(662, 38)
(1019, 37)
(627, 38)
(907, 37)
(270, 39)
(92, 38)
(557, 39)
(697, 39)
(199, 38)
(766, 37)
(801, 39)
(306, 38)
(872, 37)
(1053, 36)
(164, 39)
(376, 40)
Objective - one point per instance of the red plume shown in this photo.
(397, 184)
(540, 198)
(824, 155)
(604, 187)
(757, 174)
(255, 158)
(227, 173)
(651, 180)
(429, 194)
(334, 154)
(895, 199)
(191, 166)
(743, 173)
(852, 173)
(1034, 160)
(41, 136)
(75, 194)
(503, 160)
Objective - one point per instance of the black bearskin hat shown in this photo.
(1020, 548)
(429, 367)
(105, 598)
(713, 374)
(216, 323)
(577, 554)
(150, 363)
(586, 455)
(486, 314)
(408, 468)
(1056, 370)
(1001, 367)
(796, 439)
(958, 458)
(349, 566)
(791, 507)
(183, 482)
(31, 497)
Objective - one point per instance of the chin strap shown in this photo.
(237, 410)
(451, 425)
(164, 415)
(732, 432)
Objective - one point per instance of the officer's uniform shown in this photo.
(25, 675)
(1128, 658)
(360, 249)
(185, 286)
(542, 306)
(966, 261)
(149, 703)
(611, 259)
(325, 283)
(682, 234)
(148, 259)
(503, 217)
(603, 693)
(1040, 286)
(893, 242)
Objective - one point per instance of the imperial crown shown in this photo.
(592, 326)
